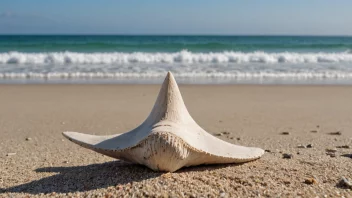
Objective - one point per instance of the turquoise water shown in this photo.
(192, 59)
(174, 43)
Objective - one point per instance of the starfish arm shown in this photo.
(116, 142)
(87, 140)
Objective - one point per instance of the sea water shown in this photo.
(192, 59)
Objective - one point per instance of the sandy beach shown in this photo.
(36, 160)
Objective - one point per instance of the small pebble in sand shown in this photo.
(301, 146)
(231, 138)
(222, 194)
(218, 134)
(268, 151)
(345, 183)
(238, 138)
(287, 156)
(331, 154)
(310, 181)
(225, 132)
(28, 139)
(331, 150)
(310, 146)
(344, 146)
(336, 133)
(314, 131)
(10, 154)
(65, 162)
(285, 133)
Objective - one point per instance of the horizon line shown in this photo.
(119, 34)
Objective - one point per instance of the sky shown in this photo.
(206, 17)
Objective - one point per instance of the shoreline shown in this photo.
(181, 81)
(183, 84)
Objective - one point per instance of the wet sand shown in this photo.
(42, 162)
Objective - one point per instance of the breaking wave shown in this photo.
(249, 75)
(184, 56)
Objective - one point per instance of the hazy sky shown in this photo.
(287, 17)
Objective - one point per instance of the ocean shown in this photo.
(192, 59)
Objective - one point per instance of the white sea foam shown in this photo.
(184, 64)
(249, 75)
(178, 57)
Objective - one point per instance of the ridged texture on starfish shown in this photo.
(168, 139)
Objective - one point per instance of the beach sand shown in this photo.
(42, 162)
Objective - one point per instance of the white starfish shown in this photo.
(168, 139)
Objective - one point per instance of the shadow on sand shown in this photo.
(84, 178)
(347, 155)
(95, 176)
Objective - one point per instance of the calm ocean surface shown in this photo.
(192, 59)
